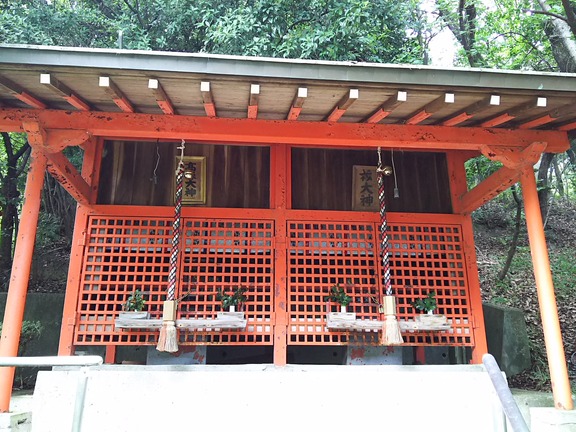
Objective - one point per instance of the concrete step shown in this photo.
(264, 397)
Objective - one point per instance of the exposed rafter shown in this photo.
(19, 93)
(539, 102)
(549, 117)
(297, 104)
(387, 107)
(344, 103)
(116, 94)
(360, 135)
(430, 109)
(64, 91)
(470, 111)
(207, 99)
(253, 102)
(161, 97)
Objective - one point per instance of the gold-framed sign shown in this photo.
(194, 188)
(364, 188)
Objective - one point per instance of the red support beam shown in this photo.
(492, 186)
(67, 175)
(351, 135)
(18, 287)
(546, 298)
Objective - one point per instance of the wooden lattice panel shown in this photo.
(225, 254)
(321, 254)
(121, 255)
(125, 254)
(424, 258)
(428, 258)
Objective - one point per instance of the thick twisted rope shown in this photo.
(383, 228)
(176, 228)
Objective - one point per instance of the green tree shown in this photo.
(14, 154)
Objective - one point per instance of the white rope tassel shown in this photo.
(391, 334)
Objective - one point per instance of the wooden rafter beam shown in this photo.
(548, 117)
(161, 97)
(207, 99)
(19, 93)
(253, 102)
(472, 110)
(430, 109)
(359, 135)
(297, 104)
(387, 107)
(568, 126)
(343, 105)
(539, 102)
(64, 91)
(116, 94)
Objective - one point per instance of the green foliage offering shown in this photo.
(426, 304)
(135, 302)
(234, 299)
(338, 295)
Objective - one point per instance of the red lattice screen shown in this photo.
(123, 254)
(126, 254)
(424, 258)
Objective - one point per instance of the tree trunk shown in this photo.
(514, 243)
(562, 41)
(543, 184)
(10, 199)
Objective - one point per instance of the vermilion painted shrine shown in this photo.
(277, 144)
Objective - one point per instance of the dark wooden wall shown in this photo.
(322, 179)
(236, 176)
(239, 176)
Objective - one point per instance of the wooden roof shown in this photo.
(74, 79)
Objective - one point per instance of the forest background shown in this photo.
(536, 35)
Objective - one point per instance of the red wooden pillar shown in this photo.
(458, 187)
(90, 173)
(280, 201)
(546, 297)
(18, 287)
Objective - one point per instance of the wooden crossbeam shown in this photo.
(253, 102)
(64, 91)
(69, 177)
(19, 93)
(489, 188)
(430, 109)
(470, 111)
(387, 107)
(161, 97)
(361, 135)
(297, 104)
(344, 103)
(505, 117)
(514, 163)
(116, 94)
(207, 99)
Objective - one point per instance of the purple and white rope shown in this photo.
(176, 229)
(384, 231)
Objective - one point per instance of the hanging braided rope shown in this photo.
(176, 229)
(383, 228)
(391, 329)
(168, 339)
